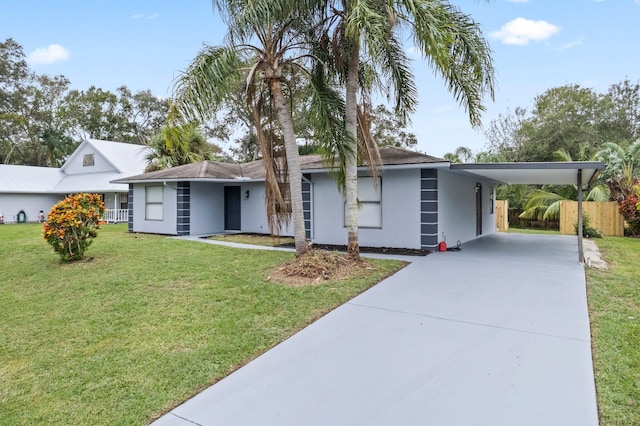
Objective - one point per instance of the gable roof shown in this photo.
(254, 170)
(126, 158)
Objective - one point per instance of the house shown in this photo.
(411, 204)
(27, 190)
(417, 200)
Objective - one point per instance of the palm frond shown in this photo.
(455, 48)
(199, 90)
(537, 204)
(599, 193)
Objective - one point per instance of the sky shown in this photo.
(145, 44)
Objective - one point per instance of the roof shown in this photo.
(27, 179)
(127, 158)
(219, 171)
(558, 173)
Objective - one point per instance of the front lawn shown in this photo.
(253, 239)
(614, 309)
(141, 325)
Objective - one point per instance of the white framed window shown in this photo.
(88, 160)
(369, 203)
(153, 196)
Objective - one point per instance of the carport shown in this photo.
(580, 173)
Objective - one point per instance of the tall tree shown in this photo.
(576, 119)
(121, 116)
(264, 48)
(364, 38)
(388, 128)
(504, 136)
(31, 129)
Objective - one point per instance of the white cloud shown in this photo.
(143, 16)
(521, 31)
(48, 55)
(572, 44)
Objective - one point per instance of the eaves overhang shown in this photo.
(533, 173)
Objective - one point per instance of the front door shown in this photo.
(478, 209)
(232, 208)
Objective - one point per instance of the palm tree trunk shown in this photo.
(293, 162)
(351, 165)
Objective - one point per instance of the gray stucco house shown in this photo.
(416, 200)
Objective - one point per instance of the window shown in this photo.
(153, 202)
(88, 160)
(370, 203)
(124, 201)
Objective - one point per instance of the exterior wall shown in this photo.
(457, 208)
(100, 164)
(168, 224)
(207, 208)
(254, 211)
(11, 204)
(400, 212)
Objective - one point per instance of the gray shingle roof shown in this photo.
(213, 170)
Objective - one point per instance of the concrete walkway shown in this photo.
(496, 334)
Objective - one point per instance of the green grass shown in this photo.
(614, 308)
(259, 240)
(532, 231)
(141, 326)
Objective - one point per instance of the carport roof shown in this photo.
(559, 173)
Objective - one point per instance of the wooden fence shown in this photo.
(502, 215)
(604, 216)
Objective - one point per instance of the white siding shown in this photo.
(11, 204)
(100, 163)
(457, 208)
(400, 212)
(168, 224)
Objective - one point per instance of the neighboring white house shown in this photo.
(27, 190)
(411, 204)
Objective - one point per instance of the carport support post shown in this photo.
(580, 233)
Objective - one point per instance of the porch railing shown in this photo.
(116, 215)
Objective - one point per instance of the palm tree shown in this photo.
(264, 48)
(177, 146)
(544, 203)
(462, 154)
(622, 167)
(363, 37)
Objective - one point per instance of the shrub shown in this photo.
(72, 225)
(630, 210)
(587, 230)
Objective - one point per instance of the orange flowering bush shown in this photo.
(72, 225)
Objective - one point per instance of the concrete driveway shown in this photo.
(496, 334)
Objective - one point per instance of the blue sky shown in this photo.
(537, 45)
